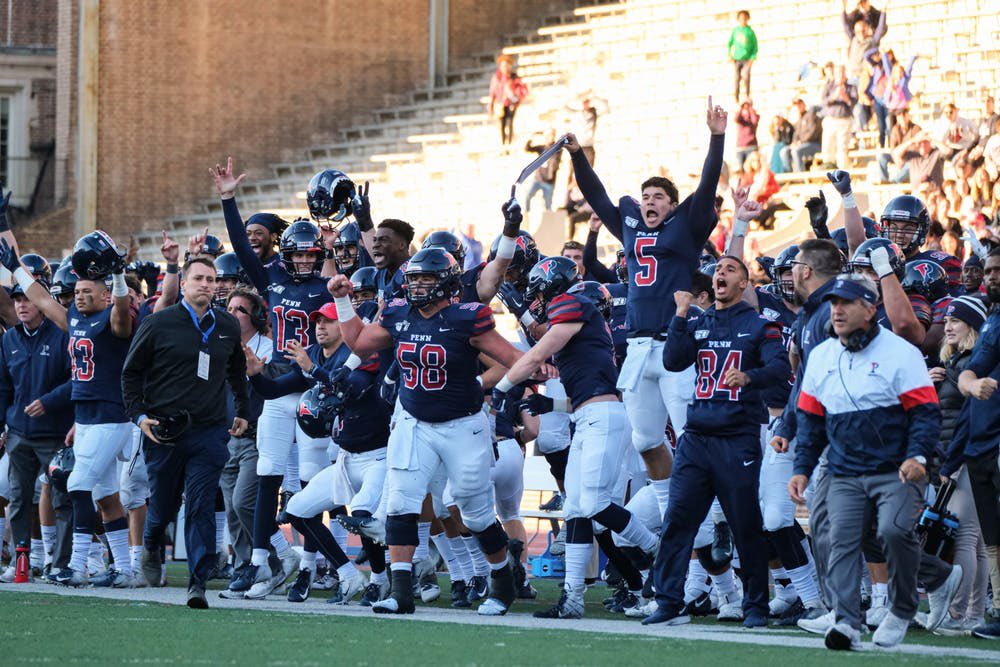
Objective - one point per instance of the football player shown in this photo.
(441, 423)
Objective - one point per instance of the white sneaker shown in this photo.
(7, 576)
(352, 587)
(290, 563)
(842, 637)
(779, 605)
(264, 583)
(558, 546)
(877, 612)
(890, 631)
(940, 599)
(820, 625)
(730, 607)
(641, 611)
(954, 627)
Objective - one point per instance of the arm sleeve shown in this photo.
(241, 246)
(237, 377)
(702, 213)
(811, 429)
(139, 356)
(59, 398)
(269, 389)
(774, 359)
(595, 194)
(564, 309)
(594, 268)
(680, 352)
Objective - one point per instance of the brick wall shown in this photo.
(477, 26)
(33, 23)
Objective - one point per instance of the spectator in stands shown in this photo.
(507, 91)
(880, 67)
(746, 131)
(864, 12)
(988, 120)
(839, 98)
(924, 162)
(781, 132)
(742, 52)
(957, 134)
(473, 248)
(587, 111)
(863, 38)
(951, 244)
(898, 95)
(981, 188)
(762, 187)
(545, 176)
(904, 130)
(806, 138)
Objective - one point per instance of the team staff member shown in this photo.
(663, 239)
(173, 385)
(737, 354)
(867, 386)
(34, 406)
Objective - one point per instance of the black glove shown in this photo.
(818, 213)
(841, 181)
(362, 208)
(390, 387)
(504, 402)
(8, 256)
(512, 299)
(511, 217)
(4, 200)
(537, 404)
(339, 375)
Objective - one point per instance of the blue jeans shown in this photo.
(707, 467)
(902, 176)
(800, 153)
(882, 117)
(546, 189)
(192, 466)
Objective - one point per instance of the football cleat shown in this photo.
(365, 526)
(349, 589)
(642, 610)
(72, 578)
(791, 615)
(731, 607)
(374, 593)
(265, 582)
(240, 584)
(430, 591)
(290, 563)
(818, 625)
(478, 588)
(502, 593)
(620, 592)
(526, 592)
(570, 605)
(630, 600)
(876, 613)
(460, 594)
(112, 578)
(780, 604)
(392, 605)
(7, 576)
(299, 590)
(558, 546)
(700, 606)
(327, 581)
(553, 504)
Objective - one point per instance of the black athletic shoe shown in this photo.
(282, 504)
(791, 616)
(401, 600)
(460, 594)
(722, 544)
(553, 504)
(299, 591)
(617, 596)
(478, 589)
(700, 606)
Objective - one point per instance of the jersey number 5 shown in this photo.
(646, 275)
(292, 323)
(422, 366)
(81, 355)
(707, 382)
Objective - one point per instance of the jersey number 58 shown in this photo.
(422, 366)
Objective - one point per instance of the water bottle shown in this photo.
(22, 561)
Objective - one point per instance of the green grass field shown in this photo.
(51, 628)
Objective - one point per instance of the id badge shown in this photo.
(202, 365)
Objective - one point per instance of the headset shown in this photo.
(259, 313)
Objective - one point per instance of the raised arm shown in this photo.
(591, 265)
(702, 214)
(492, 274)
(362, 207)
(854, 226)
(681, 352)
(897, 304)
(170, 290)
(225, 185)
(592, 188)
(49, 307)
(122, 321)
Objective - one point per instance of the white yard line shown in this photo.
(696, 632)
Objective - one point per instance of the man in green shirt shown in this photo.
(742, 51)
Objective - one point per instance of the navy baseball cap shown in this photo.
(851, 290)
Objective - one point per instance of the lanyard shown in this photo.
(197, 325)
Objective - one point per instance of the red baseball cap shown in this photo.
(328, 310)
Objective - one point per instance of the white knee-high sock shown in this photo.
(422, 551)
(661, 487)
(444, 548)
(480, 566)
(463, 560)
(577, 558)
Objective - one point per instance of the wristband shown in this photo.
(119, 287)
(345, 309)
(506, 246)
(849, 200)
(740, 227)
(24, 279)
(353, 361)
(172, 268)
(504, 385)
(527, 319)
(479, 379)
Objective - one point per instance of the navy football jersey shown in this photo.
(587, 362)
(438, 365)
(470, 279)
(773, 309)
(97, 357)
(291, 302)
(390, 286)
(619, 319)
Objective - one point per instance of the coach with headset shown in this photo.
(867, 398)
(174, 388)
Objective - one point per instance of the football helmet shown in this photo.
(925, 278)
(862, 256)
(95, 257)
(905, 222)
(595, 292)
(318, 409)
(434, 262)
(349, 237)
(64, 281)
(548, 279)
(621, 267)
(38, 267)
(302, 236)
(60, 467)
(227, 266)
(781, 272)
(363, 285)
(447, 242)
(525, 256)
(330, 195)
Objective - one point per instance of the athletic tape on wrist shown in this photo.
(353, 361)
(527, 319)
(23, 279)
(740, 227)
(506, 247)
(504, 384)
(118, 285)
(345, 309)
(849, 200)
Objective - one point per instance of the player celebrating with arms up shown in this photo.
(441, 423)
(663, 239)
